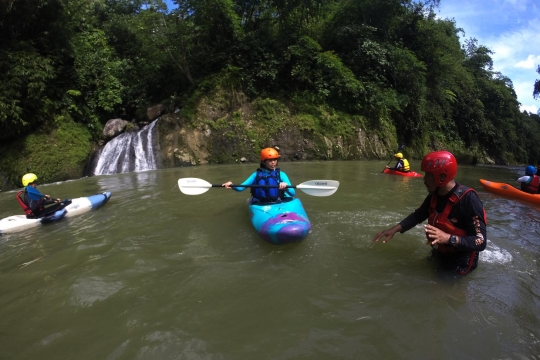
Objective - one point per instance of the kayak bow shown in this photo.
(509, 191)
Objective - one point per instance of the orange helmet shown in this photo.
(269, 153)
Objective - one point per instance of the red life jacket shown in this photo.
(532, 186)
(25, 207)
(440, 221)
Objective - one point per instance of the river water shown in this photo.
(156, 274)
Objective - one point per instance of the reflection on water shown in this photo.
(156, 274)
(87, 291)
(132, 181)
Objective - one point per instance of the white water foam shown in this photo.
(495, 255)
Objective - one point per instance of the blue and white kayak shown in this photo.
(280, 223)
(78, 206)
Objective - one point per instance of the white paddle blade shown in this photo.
(319, 187)
(193, 186)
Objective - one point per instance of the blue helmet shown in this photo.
(530, 170)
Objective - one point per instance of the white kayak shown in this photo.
(78, 206)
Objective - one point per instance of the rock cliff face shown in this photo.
(226, 127)
(182, 144)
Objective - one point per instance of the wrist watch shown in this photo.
(452, 241)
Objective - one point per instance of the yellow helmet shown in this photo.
(399, 155)
(28, 179)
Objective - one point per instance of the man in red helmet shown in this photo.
(456, 228)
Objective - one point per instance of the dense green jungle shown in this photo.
(251, 70)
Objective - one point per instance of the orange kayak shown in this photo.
(509, 191)
(395, 172)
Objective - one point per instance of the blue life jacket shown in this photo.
(33, 198)
(267, 194)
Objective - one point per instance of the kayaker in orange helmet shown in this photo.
(401, 165)
(456, 228)
(530, 183)
(267, 174)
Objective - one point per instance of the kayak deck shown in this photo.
(84, 204)
(509, 191)
(401, 173)
(280, 223)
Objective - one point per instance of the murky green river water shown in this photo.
(156, 274)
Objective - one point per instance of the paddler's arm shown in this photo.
(418, 216)
(396, 167)
(475, 226)
(387, 234)
(406, 224)
(285, 179)
(248, 181)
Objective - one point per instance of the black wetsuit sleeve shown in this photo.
(471, 211)
(398, 165)
(419, 215)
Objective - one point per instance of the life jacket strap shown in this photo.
(470, 264)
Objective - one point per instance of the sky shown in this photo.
(511, 29)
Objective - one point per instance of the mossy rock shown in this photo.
(55, 154)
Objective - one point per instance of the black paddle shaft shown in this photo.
(255, 186)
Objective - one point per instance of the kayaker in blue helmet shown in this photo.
(267, 174)
(35, 201)
(401, 165)
(530, 183)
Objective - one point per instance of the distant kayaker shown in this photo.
(36, 201)
(530, 182)
(456, 227)
(267, 174)
(401, 165)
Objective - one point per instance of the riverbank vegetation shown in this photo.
(388, 64)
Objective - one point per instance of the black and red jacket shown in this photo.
(461, 213)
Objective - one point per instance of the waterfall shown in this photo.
(128, 152)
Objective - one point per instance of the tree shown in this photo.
(32, 42)
(98, 75)
(536, 92)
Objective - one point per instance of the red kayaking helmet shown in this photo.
(440, 162)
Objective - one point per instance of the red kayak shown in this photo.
(396, 172)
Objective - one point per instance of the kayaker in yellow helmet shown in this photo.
(401, 165)
(456, 228)
(267, 174)
(35, 201)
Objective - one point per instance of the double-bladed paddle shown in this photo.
(194, 186)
